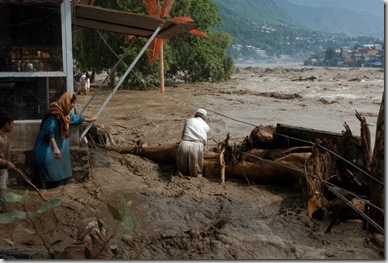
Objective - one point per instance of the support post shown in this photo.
(121, 80)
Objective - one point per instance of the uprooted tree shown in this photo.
(377, 171)
(334, 169)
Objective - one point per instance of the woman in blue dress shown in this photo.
(51, 160)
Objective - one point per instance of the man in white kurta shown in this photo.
(189, 157)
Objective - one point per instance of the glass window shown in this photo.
(29, 98)
(30, 37)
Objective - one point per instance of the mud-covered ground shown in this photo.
(178, 217)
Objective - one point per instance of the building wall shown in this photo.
(36, 67)
(36, 61)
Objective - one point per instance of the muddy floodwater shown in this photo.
(178, 217)
(316, 98)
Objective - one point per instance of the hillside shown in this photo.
(355, 18)
(267, 29)
(372, 7)
(251, 12)
(351, 17)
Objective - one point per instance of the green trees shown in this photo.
(155, 9)
(331, 57)
(188, 57)
(202, 59)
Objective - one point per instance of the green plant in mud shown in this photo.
(100, 248)
(35, 221)
(40, 223)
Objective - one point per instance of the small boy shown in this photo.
(6, 126)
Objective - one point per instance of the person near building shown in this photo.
(84, 83)
(189, 158)
(6, 126)
(51, 159)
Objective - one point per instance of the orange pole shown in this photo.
(161, 68)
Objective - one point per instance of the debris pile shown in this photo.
(320, 162)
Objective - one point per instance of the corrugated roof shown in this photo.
(125, 22)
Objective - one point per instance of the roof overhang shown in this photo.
(96, 17)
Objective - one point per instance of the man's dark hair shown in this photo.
(5, 117)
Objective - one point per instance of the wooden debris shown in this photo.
(291, 136)
(300, 78)
(282, 170)
(262, 137)
(222, 149)
(160, 154)
(342, 162)
(377, 188)
(286, 155)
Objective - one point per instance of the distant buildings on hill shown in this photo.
(366, 55)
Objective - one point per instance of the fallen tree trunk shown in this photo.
(291, 136)
(160, 154)
(283, 170)
(334, 159)
(254, 154)
(377, 193)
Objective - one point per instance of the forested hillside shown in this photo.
(252, 12)
(273, 29)
(372, 7)
(352, 17)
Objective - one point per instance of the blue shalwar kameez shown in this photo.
(49, 171)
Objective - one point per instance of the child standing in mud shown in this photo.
(6, 126)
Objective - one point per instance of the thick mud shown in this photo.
(178, 217)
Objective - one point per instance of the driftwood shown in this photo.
(319, 168)
(343, 162)
(282, 170)
(222, 148)
(161, 154)
(290, 136)
(317, 157)
(262, 136)
(377, 193)
(270, 154)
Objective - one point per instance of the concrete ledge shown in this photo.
(80, 162)
(24, 134)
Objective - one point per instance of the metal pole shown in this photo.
(121, 80)
(363, 215)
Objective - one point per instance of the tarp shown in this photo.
(96, 17)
